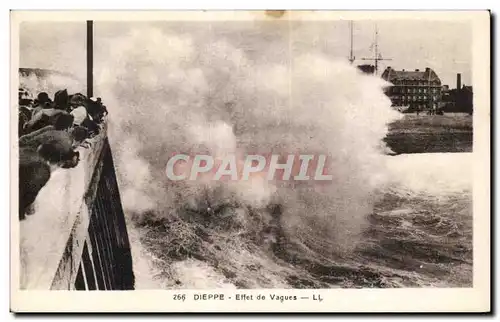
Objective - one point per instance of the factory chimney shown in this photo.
(459, 81)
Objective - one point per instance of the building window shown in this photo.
(425, 90)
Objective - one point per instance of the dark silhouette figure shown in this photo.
(37, 151)
(61, 100)
(34, 173)
(41, 118)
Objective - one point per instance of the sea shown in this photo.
(419, 235)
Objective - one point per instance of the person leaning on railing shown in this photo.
(49, 133)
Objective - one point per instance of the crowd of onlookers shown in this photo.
(49, 132)
(75, 110)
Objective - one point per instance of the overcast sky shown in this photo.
(443, 46)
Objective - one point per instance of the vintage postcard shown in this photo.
(250, 161)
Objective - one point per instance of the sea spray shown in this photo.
(50, 83)
(172, 92)
(194, 96)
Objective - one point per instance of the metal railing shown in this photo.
(106, 262)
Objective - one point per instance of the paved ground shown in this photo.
(431, 133)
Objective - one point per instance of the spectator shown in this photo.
(43, 100)
(52, 128)
(61, 100)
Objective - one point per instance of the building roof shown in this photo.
(391, 75)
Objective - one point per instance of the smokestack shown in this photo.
(459, 81)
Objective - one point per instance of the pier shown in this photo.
(76, 237)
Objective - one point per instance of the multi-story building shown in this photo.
(417, 90)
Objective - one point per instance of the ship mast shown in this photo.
(90, 58)
(377, 57)
(351, 56)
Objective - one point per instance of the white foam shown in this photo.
(434, 173)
